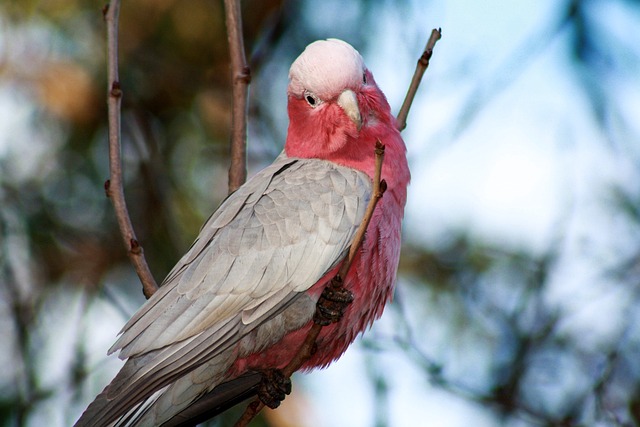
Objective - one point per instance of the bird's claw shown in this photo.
(273, 388)
(331, 305)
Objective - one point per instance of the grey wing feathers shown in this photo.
(281, 231)
(275, 237)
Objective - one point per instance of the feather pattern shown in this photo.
(245, 265)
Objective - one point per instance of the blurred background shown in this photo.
(518, 299)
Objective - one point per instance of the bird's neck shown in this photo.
(355, 149)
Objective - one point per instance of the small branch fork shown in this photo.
(113, 186)
(241, 79)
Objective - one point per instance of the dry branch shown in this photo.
(241, 78)
(421, 67)
(113, 186)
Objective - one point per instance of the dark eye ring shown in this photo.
(311, 99)
(364, 78)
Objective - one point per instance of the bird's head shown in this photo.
(334, 105)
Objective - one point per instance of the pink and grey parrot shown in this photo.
(241, 300)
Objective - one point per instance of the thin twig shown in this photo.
(251, 411)
(305, 351)
(421, 67)
(379, 187)
(241, 79)
(113, 186)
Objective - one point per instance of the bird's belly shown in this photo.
(371, 280)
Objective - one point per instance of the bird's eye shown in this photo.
(364, 78)
(312, 100)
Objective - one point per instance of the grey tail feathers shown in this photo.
(217, 400)
(207, 406)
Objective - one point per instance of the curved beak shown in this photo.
(349, 103)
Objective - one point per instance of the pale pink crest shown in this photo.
(326, 68)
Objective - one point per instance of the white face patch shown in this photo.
(326, 68)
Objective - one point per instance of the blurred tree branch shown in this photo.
(528, 330)
(114, 185)
(241, 77)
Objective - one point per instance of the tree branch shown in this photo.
(241, 79)
(113, 186)
(306, 349)
(421, 67)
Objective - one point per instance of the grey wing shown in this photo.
(272, 239)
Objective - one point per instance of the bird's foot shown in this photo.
(273, 388)
(332, 303)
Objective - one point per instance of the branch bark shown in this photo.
(241, 79)
(421, 67)
(114, 186)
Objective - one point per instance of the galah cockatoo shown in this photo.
(241, 300)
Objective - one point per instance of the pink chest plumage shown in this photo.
(371, 277)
